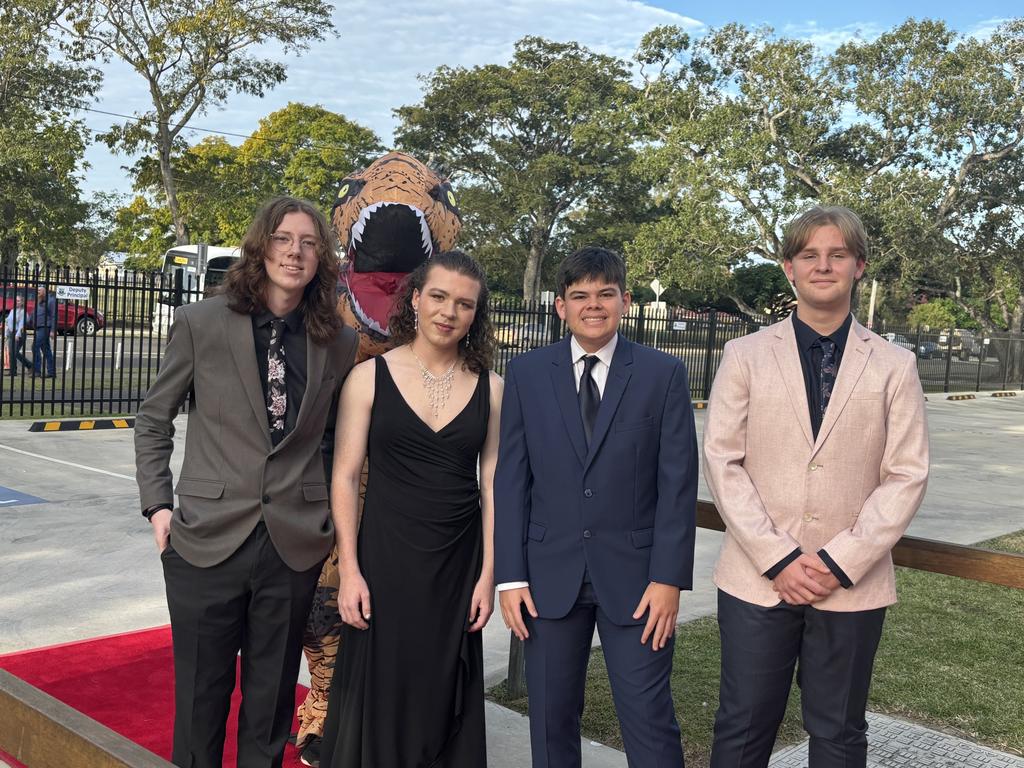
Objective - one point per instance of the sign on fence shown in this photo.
(678, 325)
(73, 292)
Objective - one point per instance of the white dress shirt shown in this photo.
(599, 373)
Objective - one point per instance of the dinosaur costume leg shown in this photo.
(320, 642)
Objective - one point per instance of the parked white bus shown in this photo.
(203, 266)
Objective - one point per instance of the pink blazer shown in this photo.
(853, 491)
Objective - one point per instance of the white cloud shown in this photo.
(826, 39)
(373, 67)
(984, 29)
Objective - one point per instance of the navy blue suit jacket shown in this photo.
(624, 508)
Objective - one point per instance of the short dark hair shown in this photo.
(591, 263)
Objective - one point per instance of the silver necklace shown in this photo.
(438, 388)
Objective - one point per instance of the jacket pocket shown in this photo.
(642, 537)
(628, 426)
(204, 489)
(314, 492)
(536, 532)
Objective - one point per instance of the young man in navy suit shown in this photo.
(595, 503)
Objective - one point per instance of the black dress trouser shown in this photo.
(254, 603)
(760, 648)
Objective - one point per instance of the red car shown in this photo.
(72, 317)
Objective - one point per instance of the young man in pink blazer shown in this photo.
(816, 452)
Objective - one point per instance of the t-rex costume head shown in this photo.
(389, 218)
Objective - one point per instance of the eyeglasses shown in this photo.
(285, 242)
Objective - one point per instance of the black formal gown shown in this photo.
(408, 692)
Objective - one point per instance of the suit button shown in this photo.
(813, 467)
(588, 493)
(266, 499)
(808, 518)
(586, 534)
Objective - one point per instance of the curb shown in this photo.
(77, 425)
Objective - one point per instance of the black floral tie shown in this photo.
(828, 371)
(589, 395)
(277, 395)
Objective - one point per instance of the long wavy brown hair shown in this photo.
(245, 283)
(478, 352)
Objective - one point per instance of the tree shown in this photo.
(542, 137)
(192, 55)
(41, 144)
(743, 123)
(143, 231)
(299, 150)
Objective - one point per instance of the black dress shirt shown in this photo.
(808, 343)
(294, 343)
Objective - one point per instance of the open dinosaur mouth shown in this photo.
(390, 237)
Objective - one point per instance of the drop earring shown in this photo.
(415, 319)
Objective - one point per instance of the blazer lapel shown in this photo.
(243, 350)
(564, 382)
(316, 358)
(855, 357)
(614, 387)
(788, 358)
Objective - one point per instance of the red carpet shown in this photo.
(125, 682)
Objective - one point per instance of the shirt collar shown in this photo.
(807, 337)
(604, 354)
(293, 320)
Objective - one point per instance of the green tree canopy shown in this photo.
(531, 142)
(192, 55)
(42, 144)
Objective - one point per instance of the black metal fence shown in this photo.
(697, 338)
(111, 330)
(112, 327)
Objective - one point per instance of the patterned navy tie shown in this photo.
(277, 395)
(590, 396)
(828, 371)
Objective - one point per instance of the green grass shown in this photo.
(951, 657)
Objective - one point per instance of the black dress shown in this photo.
(408, 692)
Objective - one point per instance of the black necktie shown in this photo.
(828, 371)
(590, 396)
(277, 395)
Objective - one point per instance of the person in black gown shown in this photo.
(417, 582)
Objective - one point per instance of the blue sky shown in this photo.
(372, 67)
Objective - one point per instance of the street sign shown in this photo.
(547, 297)
(73, 292)
(657, 288)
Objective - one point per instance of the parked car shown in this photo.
(526, 336)
(929, 349)
(964, 345)
(899, 340)
(72, 317)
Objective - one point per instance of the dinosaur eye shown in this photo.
(444, 194)
(349, 188)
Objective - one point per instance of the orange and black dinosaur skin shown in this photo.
(389, 219)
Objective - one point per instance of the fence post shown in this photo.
(709, 352)
(641, 325)
(981, 357)
(949, 359)
(516, 682)
(179, 287)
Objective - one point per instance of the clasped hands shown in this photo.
(805, 581)
(660, 602)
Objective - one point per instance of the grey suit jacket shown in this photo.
(232, 475)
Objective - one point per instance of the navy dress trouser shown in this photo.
(760, 648)
(557, 652)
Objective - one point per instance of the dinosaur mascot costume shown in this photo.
(389, 218)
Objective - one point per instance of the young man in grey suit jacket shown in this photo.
(243, 549)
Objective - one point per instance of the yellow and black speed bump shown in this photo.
(961, 397)
(79, 425)
(1004, 394)
(700, 405)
